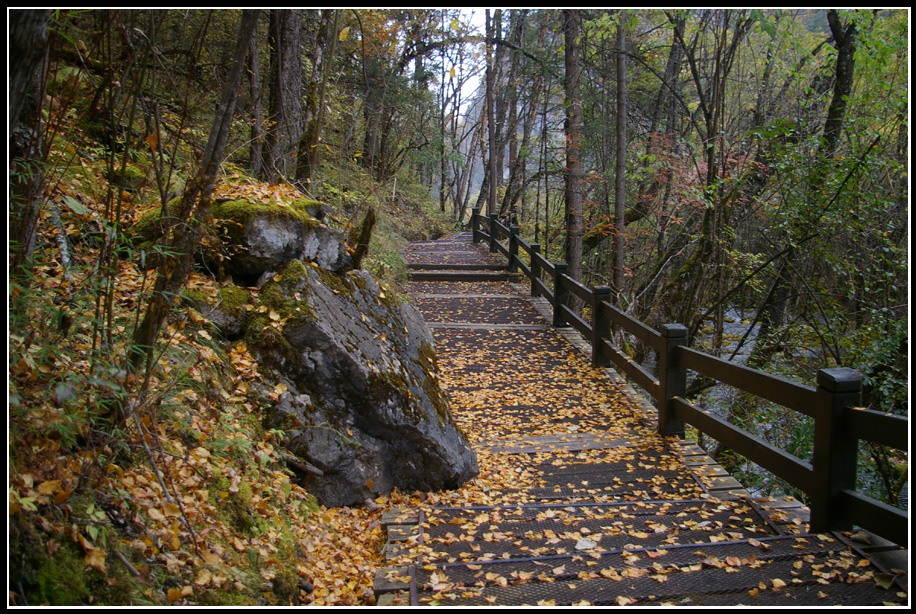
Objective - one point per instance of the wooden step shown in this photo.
(463, 276)
(440, 266)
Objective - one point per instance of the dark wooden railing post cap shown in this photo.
(839, 379)
(514, 229)
(475, 210)
(674, 330)
(535, 246)
(602, 291)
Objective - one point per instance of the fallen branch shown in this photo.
(301, 465)
(365, 235)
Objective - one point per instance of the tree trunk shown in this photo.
(845, 40)
(499, 98)
(28, 49)
(28, 42)
(193, 210)
(442, 98)
(285, 90)
(309, 155)
(491, 178)
(257, 105)
(572, 29)
(620, 192)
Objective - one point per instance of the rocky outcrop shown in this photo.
(261, 238)
(257, 238)
(359, 401)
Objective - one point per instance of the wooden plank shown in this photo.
(773, 388)
(390, 580)
(647, 335)
(571, 443)
(399, 517)
(475, 296)
(878, 427)
(543, 290)
(401, 532)
(580, 290)
(462, 276)
(473, 326)
(456, 266)
(575, 321)
(780, 463)
(875, 516)
(630, 368)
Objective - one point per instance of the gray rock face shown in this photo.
(362, 403)
(255, 238)
(261, 239)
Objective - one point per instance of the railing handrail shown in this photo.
(828, 479)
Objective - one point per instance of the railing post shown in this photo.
(493, 221)
(475, 224)
(672, 380)
(560, 293)
(601, 325)
(535, 268)
(835, 449)
(513, 248)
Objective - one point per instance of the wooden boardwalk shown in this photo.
(579, 500)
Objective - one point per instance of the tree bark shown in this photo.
(572, 29)
(491, 177)
(28, 50)
(28, 42)
(256, 111)
(845, 41)
(620, 191)
(309, 156)
(285, 90)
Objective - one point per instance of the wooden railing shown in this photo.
(828, 478)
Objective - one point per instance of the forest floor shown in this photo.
(188, 502)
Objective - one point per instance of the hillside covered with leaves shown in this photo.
(158, 485)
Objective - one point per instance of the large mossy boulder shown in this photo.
(260, 237)
(359, 396)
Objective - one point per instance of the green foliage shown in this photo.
(405, 212)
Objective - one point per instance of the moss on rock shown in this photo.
(233, 298)
(234, 216)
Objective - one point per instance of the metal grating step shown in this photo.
(461, 276)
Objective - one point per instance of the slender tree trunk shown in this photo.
(28, 42)
(257, 107)
(442, 97)
(845, 41)
(499, 97)
(620, 192)
(309, 154)
(193, 210)
(572, 29)
(491, 177)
